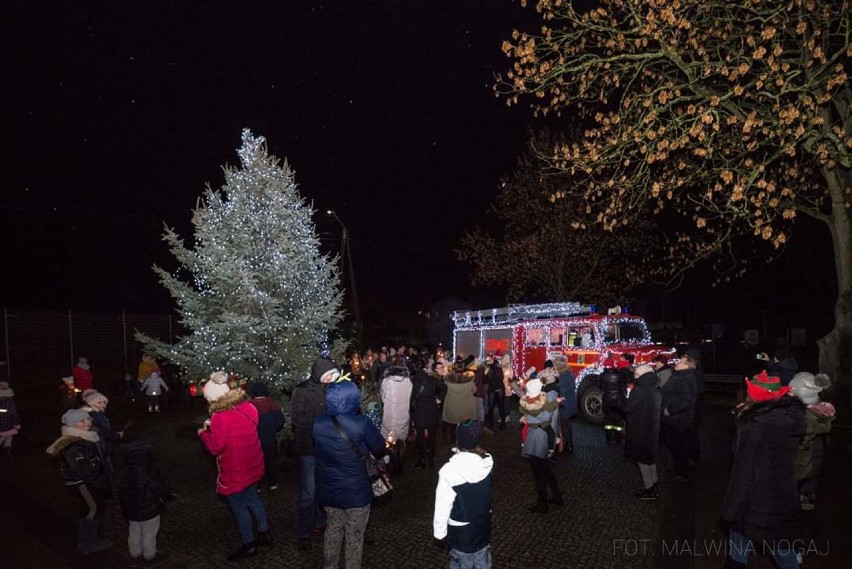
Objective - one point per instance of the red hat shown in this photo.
(764, 387)
(498, 354)
(608, 363)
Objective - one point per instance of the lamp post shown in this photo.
(346, 259)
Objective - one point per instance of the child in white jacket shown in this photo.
(153, 387)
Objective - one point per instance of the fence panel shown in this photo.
(42, 347)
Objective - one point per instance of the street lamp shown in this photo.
(346, 259)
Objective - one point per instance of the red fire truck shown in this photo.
(533, 333)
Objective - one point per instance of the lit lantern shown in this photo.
(193, 390)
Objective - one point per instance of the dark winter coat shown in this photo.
(141, 489)
(341, 475)
(679, 395)
(762, 501)
(81, 463)
(9, 417)
(643, 420)
(613, 388)
(426, 389)
(232, 439)
(783, 370)
(270, 421)
(494, 377)
(308, 403)
(568, 391)
(101, 424)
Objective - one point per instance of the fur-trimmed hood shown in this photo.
(61, 444)
(534, 406)
(228, 401)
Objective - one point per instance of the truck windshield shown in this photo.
(623, 332)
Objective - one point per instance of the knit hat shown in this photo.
(533, 388)
(469, 434)
(216, 387)
(74, 416)
(806, 386)
(764, 387)
(560, 362)
(258, 389)
(5, 390)
(93, 396)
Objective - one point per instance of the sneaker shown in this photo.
(648, 493)
(808, 501)
(264, 538)
(245, 550)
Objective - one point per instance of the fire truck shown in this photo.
(533, 333)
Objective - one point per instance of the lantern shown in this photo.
(193, 390)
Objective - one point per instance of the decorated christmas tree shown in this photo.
(255, 292)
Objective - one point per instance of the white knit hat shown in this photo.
(92, 396)
(807, 386)
(216, 387)
(533, 388)
(642, 370)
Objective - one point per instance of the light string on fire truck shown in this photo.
(515, 313)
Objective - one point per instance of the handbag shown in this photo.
(376, 470)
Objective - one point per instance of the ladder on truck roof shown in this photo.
(516, 312)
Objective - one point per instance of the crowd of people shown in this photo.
(377, 404)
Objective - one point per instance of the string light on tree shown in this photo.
(261, 298)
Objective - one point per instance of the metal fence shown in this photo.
(40, 348)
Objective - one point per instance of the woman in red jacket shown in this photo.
(231, 435)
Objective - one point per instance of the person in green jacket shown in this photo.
(810, 454)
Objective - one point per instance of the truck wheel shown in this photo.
(591, 403)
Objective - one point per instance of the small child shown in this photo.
(153, 387)
(810, 454)
(142, 493)
(10, 423)
(464, 489)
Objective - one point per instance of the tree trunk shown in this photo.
(835, 349)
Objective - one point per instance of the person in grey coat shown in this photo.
(643, 428)
(540, 411)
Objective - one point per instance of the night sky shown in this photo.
(116, 114)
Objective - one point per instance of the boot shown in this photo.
(540, 507)
(264, 538)
(156, 408)
(150, 408)
(245, 550)
(98, 542)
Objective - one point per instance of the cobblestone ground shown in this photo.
(602, 525)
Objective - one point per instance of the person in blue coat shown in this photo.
(568, 408)
(343, 486)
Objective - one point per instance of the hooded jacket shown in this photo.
(460, 400)
(762, 501)
(463, 502)
(341, 475)
(81, 462)
(232, 438)
(308, 403)
(396, 402)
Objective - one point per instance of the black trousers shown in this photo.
(567, 432)
(544, 478)
(674, 438)
(426, 444)
(496, 399)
